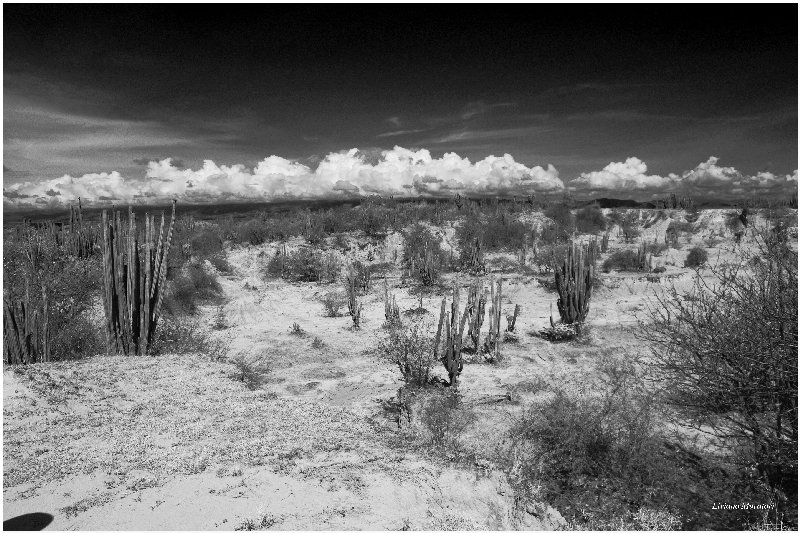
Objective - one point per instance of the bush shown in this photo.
(254, 232)
(194, 284)
(220, 262)
(251, 372)
(179, 336)
(205, 244)
(444, 417)
(590, 219)
(333, 301)
(562, 217)
(742, 330)
(305, 264)
(697, 257)
(623, 260)
(503, 233)
(598, 445)
(75, 339)
(411, 349)
(423, 254)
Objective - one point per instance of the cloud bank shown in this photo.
(707, 178)
(399, 172)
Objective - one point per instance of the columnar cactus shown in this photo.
(133, 287)
(452, 326)
(512, 319)
(476, 308)
(390, 309)
(492, 344)
(354, 306)
(26, 333)
(574, 285)
(644, 261)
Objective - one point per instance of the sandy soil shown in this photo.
(175, 442)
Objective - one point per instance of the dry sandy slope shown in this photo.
(175, 443)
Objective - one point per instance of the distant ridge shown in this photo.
(244, 209)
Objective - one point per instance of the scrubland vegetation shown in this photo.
(700, 408)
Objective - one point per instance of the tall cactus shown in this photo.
(390, 309)
(492, 344)
(354, 306)
(574, 285)
(476, 308)
(452, 325)
(133, 286)
(26, 332)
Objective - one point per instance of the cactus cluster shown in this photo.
(573, 280)
(78, 239)
(450, 332)
(26, 334)
(133, 286)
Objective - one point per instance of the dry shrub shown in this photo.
(727, 355)
(250, 371)
(193, 285)
(444, 417)
(181, 336)
(697, 257)
(590, 219)
(333, 301)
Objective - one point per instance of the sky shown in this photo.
(216, 103)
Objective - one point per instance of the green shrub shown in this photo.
(697, 257)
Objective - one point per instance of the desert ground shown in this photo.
(290, 419)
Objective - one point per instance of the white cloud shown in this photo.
(399, 171)
(628, 176)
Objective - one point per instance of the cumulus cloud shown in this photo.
(400, 172)
(707, 177)
(628, 176)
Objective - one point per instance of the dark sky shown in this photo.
(101, 88)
